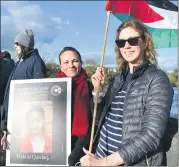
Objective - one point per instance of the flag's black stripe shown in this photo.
(164, 4)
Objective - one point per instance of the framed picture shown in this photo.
(39, 122)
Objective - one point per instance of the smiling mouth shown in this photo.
(129, 53)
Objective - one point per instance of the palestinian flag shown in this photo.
(159, 16)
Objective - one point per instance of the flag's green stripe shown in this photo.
(163, 38)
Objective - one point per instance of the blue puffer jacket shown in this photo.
(31, 66)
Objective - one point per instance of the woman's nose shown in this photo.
(127, 45)
(71, 64)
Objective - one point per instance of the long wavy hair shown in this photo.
(149, 52)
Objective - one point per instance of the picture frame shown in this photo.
(39, 122)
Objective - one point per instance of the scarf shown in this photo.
(80, 103)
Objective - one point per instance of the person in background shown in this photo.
(136, 106)
(29, 66)
(71, 66)
(6, 67)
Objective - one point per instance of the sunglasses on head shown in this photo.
(133, 41)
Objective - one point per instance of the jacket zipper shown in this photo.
(128, 88)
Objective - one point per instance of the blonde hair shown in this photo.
(149, 52)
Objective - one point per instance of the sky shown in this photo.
(56, 24)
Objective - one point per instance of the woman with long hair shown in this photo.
(136, 107)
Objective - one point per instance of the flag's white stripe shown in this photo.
(170, 21)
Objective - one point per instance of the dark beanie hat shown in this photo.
(25, 38)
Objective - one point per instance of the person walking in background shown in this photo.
(136, 107)
(29, 66)
(71, 66)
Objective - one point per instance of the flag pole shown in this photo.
(97, 93)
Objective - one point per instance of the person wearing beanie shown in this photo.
(25, 38)
(24, 42)
(29, 66)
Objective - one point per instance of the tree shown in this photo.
(90, 70)
(52, 69)
(173, 76)
(90, 62)
(109, 73)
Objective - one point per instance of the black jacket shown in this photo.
(30, 67)
(6, 67)
(145, 115)
(77, 143)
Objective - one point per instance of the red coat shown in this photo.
(26, 145)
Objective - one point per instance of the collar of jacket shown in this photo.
(137, 71)
(31, 53)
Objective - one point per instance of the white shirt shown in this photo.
(38, 146)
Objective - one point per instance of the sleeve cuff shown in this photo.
(124, 156)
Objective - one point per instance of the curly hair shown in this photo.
(149, 52)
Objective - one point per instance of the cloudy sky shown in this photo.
(58, 24)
